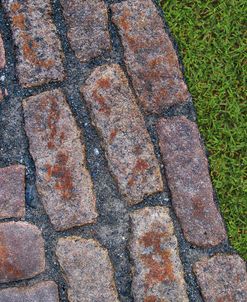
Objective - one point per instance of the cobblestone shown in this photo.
(149, 55)
(222, 278)
(63, 180)
(88, 270)
(127, 143)
(88, 27)
(2, 54)
(188, 177)
(158, 272)
(41, 292)
(39, 51)
(12, 191)
(22, 254)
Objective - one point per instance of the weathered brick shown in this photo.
(186, 168)
(222, 278)
(87, 27)
(39, 52)
(12, 191)
(46, 291)
(158, 272)
(2, 54)
(63, 180)
(87, 269)
(126, 141)
(22, 254)
(149, 55)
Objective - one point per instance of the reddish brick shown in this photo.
(186, 168)
(63, 180)
(128, 147)
(87, 269)
(39, 51)
(12, 191)
(88, 27)
(46, 291)
(222, 278)
(22, 254)
(158, 272)
(2, 54)
(149, 55)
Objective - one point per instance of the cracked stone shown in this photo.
(87, 27)
(87, 268)
(150, 58)
(22, 254)
(188, 178)
(222, 278)
(63, 181)
(157, 271)
(39, 51)
(12, 191)
(46, 291)
(127, 144)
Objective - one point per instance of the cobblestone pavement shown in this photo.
(105, 193)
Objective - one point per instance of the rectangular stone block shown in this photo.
(2, 54)
(127, 144)
(22, 253)
(46, 291)
(87, 27)
(157, 271)
(222, 278)
(63, 181)
(87, 269)
(39, 52)
(188, 178)
(12, 192)
(149, 55)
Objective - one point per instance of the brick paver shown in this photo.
(149, 55)
(41, 292)
(22, 254)
(12, 191)
(2, 54)
(88, 270)
(39, 52)
(222, 278)
(158, 272)
(63, 180)
(186, 168)
(127, 143)
(87, 27)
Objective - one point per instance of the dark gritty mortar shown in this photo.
(112, 228)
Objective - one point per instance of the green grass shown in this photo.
(210, 36)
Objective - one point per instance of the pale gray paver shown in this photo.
(63, 181)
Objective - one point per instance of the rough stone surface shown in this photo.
(222, 278)
(63, 181)
(87, 269)
(2, 54)
(188, 177)
(149, 55)
(12, 191)
(157, 273)
(126, 141)
(41, 292)
(22, 254)
(88, 27)
(39, 52)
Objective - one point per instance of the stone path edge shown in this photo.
(75, 78)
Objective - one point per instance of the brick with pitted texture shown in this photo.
(149, 55)
(63, 181)
(39, 52)
(128, 146)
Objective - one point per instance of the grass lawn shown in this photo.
(210, 36)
